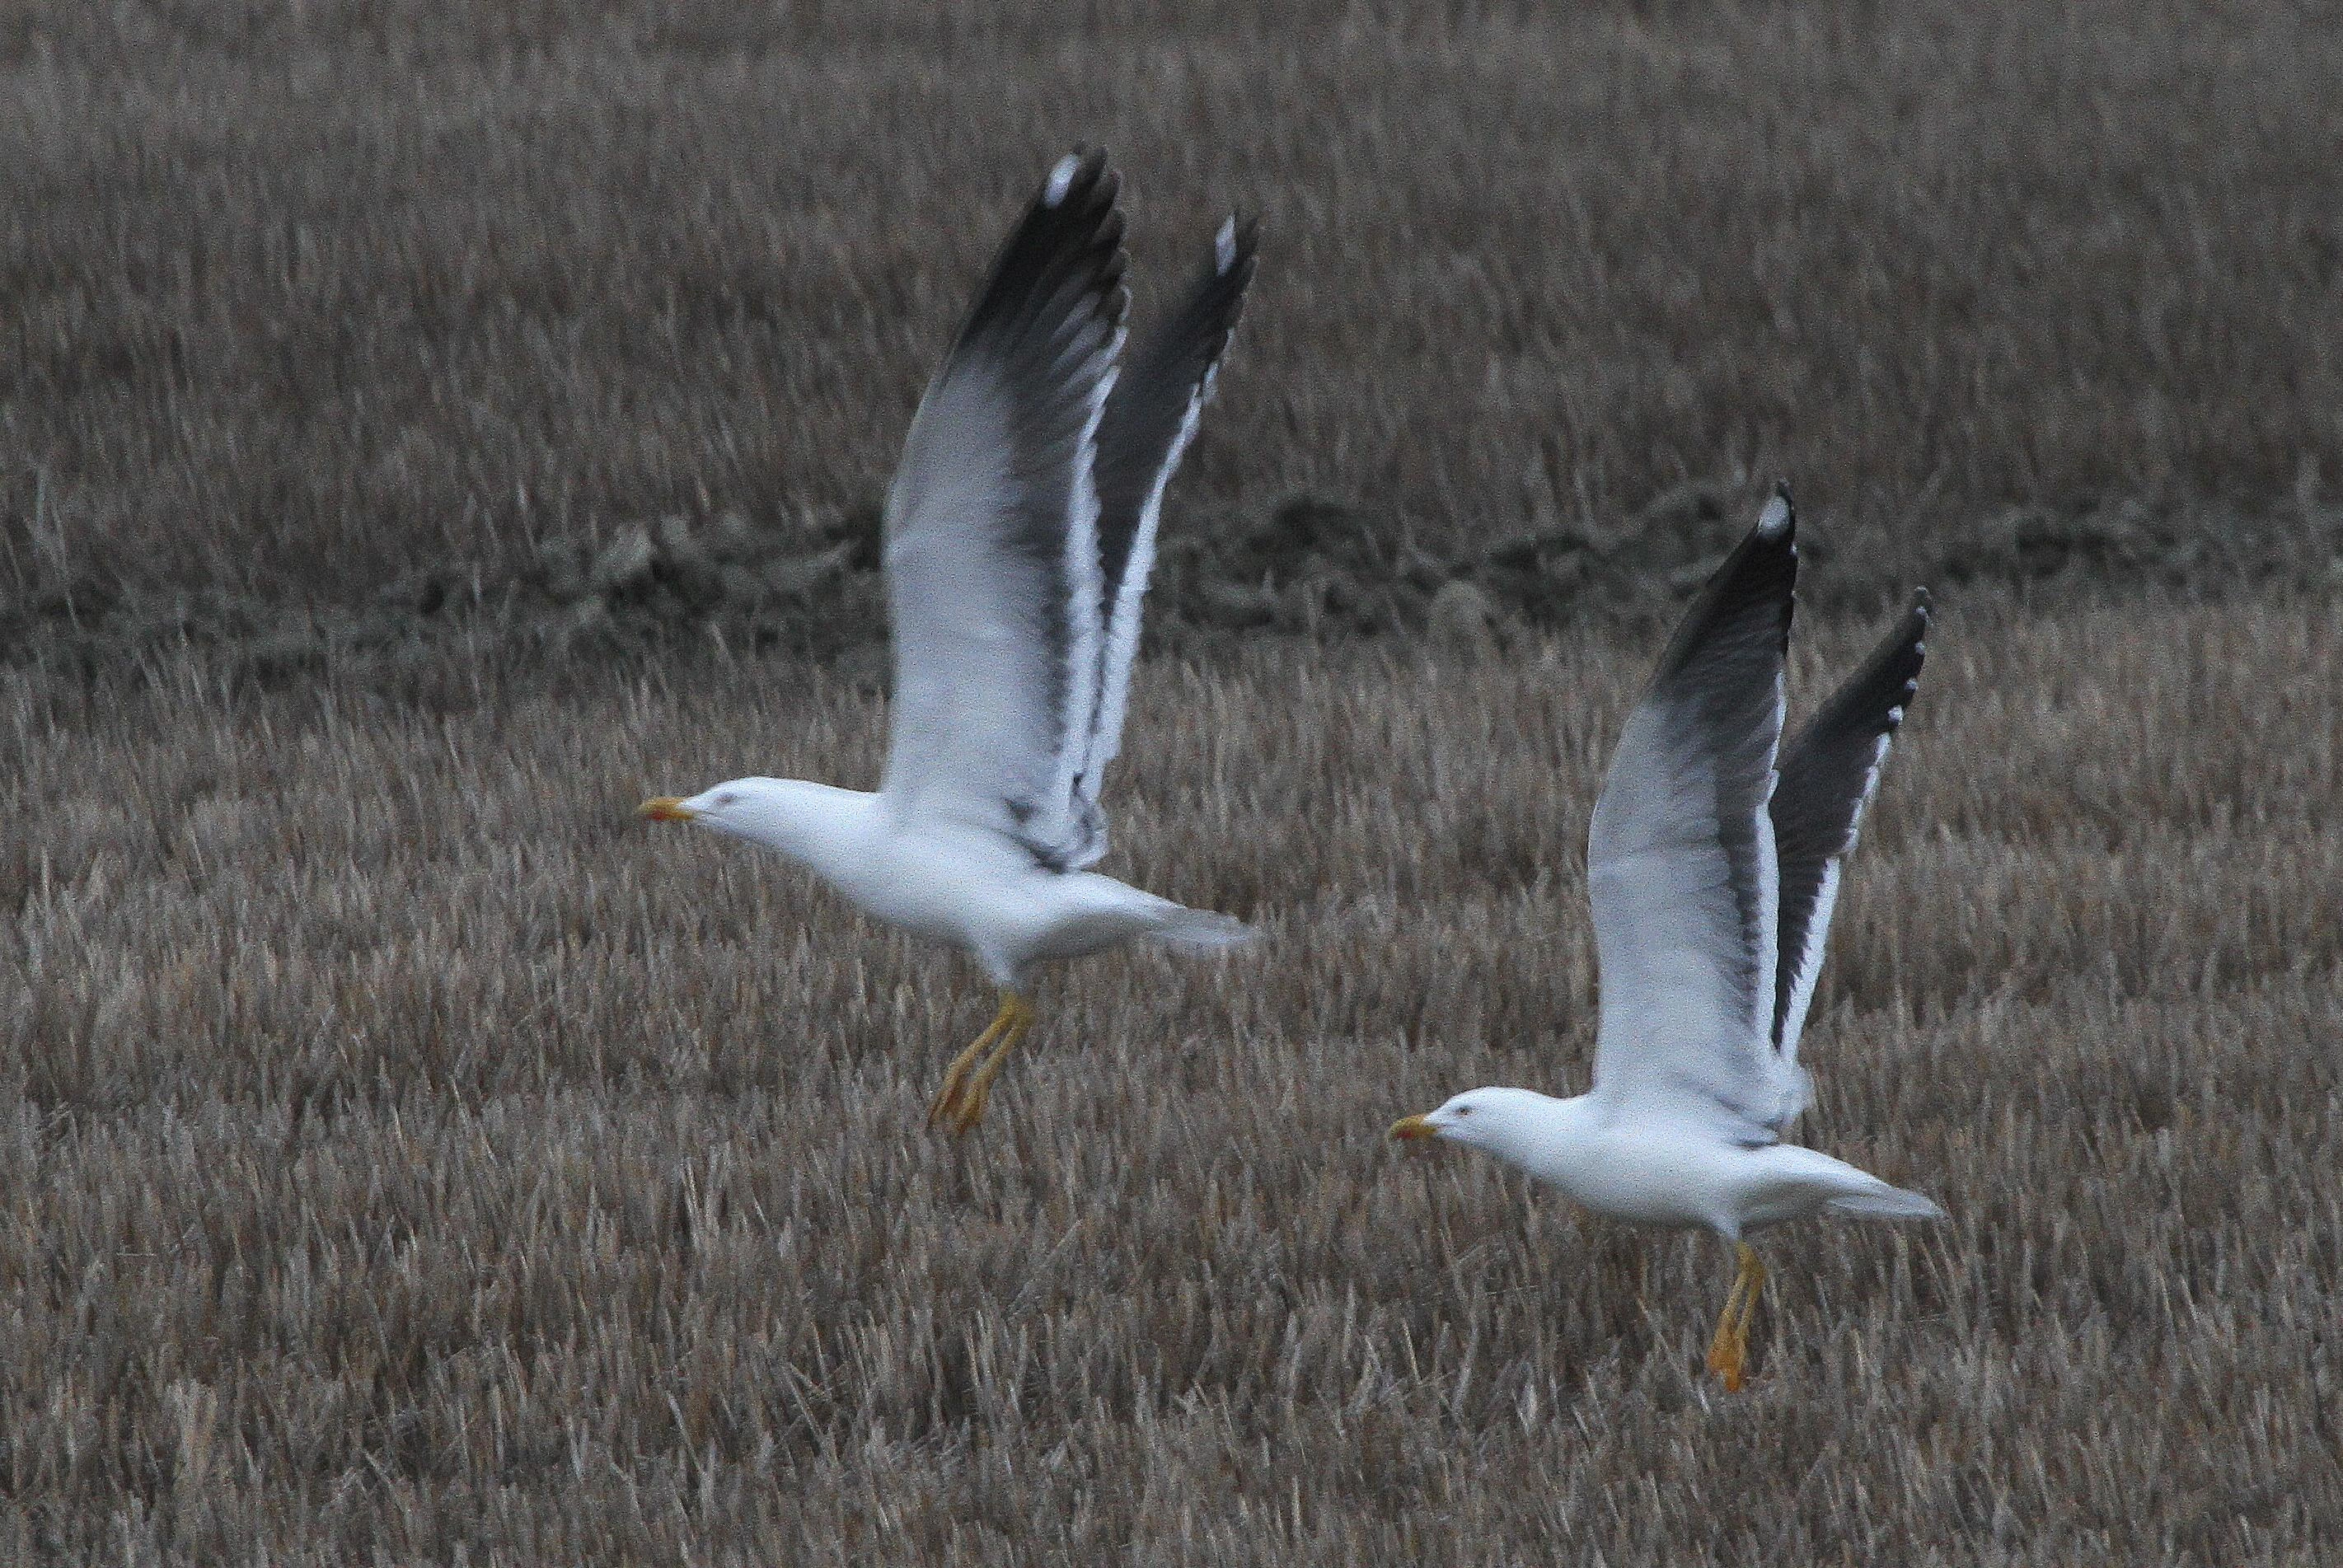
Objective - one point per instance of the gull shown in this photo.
(1713, 876)
(1020, 532)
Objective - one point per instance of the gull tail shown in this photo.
(1885, 1203)
(1200, 930)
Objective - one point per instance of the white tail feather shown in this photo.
(1887, 1203)
(1201, 930)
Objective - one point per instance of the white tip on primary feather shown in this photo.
(1062, 180)
(1224, 245)
(1777, 515)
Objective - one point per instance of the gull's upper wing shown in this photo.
(1150, 416)
(1828, 776)
(992, 540)
(1680, 859)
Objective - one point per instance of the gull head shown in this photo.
(744, 807)
(1510, 1124)
(810, 821)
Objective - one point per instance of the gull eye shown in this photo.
(1464, 1111)
(727, 799)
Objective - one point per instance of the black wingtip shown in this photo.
(1063, 259)
(1758, 579)
(1073, 176)
(1919, 619)
(1220, 293)
(1874, 700)
(1236, 245)
(1765, 562)
(1913, 628)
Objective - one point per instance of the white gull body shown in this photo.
(948, 881)
(1650, 1171)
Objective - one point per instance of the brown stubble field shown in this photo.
(413, 1154)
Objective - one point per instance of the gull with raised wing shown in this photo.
(1020, 531)
(1713, 878)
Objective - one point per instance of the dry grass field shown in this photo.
(412, 1157)
(407, 1156)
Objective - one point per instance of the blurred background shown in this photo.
(329, 325)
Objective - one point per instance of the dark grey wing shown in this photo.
(1150, 416)
(1680, 859)
(1828, 776)
(991, 539)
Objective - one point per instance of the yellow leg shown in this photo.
(979, 1088)
(948, 1097)
(1719, 1342)
(1729, 1352)
(960, 1104)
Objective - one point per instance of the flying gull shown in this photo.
(1713, 880)
(1020, 531)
